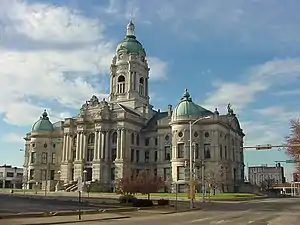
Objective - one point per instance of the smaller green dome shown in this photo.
(43, 124)
(130, 43)
(186, 107)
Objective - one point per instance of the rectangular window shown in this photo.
(74, 155)
(33, 157)
(132, 155)
(181, 188)
(113, 154)
(147, 141)
(53, 158)
(137, 155)
(180, 150)
(1, 174)
(180, 172)
(9, 174)
(221, 152)
(155, 172)
(112, 174)
(44, 157)
(225, 152)
(167, 152)
(52, 173)
(207, 154)
(90, 155)
(155, 156)
(31, 174)
(146, 156)
(167, 173)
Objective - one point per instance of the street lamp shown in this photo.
(191, 163)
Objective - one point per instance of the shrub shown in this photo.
(163, 202)
(142, 203)
(124, 199)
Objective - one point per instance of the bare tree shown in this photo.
(292, 140)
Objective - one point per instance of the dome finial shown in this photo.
(186, 94)
(130, 28)
(45, 114)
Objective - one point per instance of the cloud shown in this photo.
(236, 20)
(279, 113)
(257, 80)
(52, 53)
(260, 133)
(13, 138)
(158, 69)
(287, 92)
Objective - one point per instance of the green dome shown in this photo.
(186, 106)
(130, 43)
(43, 124)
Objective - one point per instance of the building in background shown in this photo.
(10, 177)
(117, 138)
(264, 173)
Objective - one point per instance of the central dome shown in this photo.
(130, 43)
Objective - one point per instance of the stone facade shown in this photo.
(111, 139)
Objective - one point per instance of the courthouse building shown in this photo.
(124, 134)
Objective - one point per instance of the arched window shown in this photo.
(141, 86)
(91, 138)
(121, 84)
(114, 138)
(132, 138)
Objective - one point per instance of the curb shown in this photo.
(66, 213)
(80, 221)
(181, 211)
(24, 215)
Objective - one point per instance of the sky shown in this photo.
(55, 54)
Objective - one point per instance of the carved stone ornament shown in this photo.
(79, 126)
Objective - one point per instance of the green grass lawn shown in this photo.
(199, 195)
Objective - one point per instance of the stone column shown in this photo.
(107, 155)
(67, 148)
(122, 147)
(101, 145)
(84, 147)
(78, 144)
(96, 155)
(118, 143)
(64, 148)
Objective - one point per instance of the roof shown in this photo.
(43, 124)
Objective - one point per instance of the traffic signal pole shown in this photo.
(269, 146)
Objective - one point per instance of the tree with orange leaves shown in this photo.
(293, 142)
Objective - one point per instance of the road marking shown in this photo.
(251, 221)
(220, 221)
(198, 220)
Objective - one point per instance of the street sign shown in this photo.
(263, 147)
(289, 161)
(79, 184)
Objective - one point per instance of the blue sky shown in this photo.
(56, 54)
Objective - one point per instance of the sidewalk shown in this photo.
(62, 219)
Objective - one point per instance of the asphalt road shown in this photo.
(19, 204)
(264, 212)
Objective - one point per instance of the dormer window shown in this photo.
(121, 84)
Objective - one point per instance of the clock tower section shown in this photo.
(129, 73)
